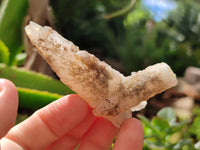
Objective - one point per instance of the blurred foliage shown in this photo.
(32, 80)
(185, 21)
(12, 14)
(4, 57)
(34, 99)
(133, 39)
(83, 22)
(194, 127)
(20, 118)
(164, 132)
(193, 130)
(35, 90)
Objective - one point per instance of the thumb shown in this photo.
(8, 106)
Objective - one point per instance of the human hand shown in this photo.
(63, 124)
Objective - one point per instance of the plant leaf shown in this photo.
(181, 143)
(4, 53)
(20, 59)
(33, 80)
(34, 99)
(20, 118)
(168, 114)
(154, 145)
(12, 14)
(178, 126)
(161, 124)
(147, 124)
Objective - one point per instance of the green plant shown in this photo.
(134, 39)
(12, 14)
(194, 127)
(164, 132)
(35, 89)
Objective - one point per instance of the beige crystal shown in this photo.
(111, 94)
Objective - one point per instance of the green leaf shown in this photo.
(20, 59)
(147, 124)
(194, 126)
(196, 110)
(20, 118)
(145, 120)
(161, 124)
(135, 16)
(154, 145)
(12, 13)
(33, 80)
(4, 53)
(34, 99)
(182, 143)
(178, 126)
(168, 114)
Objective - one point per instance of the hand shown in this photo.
(62, 125)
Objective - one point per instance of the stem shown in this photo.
(121, 11)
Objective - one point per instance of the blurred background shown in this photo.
(129, 35)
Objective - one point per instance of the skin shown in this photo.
(62, 125)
